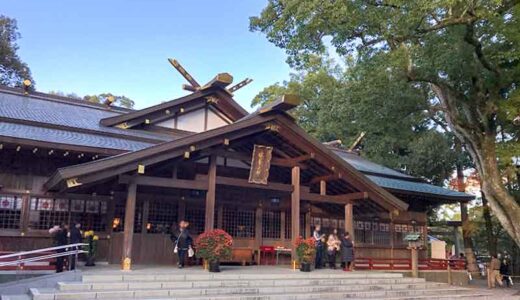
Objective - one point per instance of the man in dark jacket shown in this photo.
(347, 252)
(182, 242)
(75, 238)
(60, 239)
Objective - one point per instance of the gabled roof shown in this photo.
(221, 100)
(117, 165)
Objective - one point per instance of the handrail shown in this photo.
(42, 250)
(74, 251)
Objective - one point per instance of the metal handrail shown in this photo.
(75, 251)
(42, 250)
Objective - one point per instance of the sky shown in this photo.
(122, 46)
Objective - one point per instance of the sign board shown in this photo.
(260, 164)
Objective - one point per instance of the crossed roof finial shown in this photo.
(222, 79)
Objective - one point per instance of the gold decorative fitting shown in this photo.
(192, 148)
(140, 169)
(212, 99)
(27, 82)
(127, 263)
(123, 125)
(72, 182)
(18, 148)
(273, 127)
(226, 142)
(181, 110)
(167, 111)
(186, 154)
(147, 121)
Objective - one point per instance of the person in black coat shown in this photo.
(347, 252)
(182, 242)
(60, 239)
(75, 238)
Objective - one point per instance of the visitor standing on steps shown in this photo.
(182, 242)
(75, 238)
(333, 245)
(347, 252)
(319, 246)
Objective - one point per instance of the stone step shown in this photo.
(129, 285)
(252, 294)
(120, 276)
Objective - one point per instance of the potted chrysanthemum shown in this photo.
(91, 247)
(213, 246)
(306, 251)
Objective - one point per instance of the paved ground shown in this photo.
(512, 293)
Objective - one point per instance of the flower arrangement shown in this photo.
(91, 239)
(214, 245)
(305, 250)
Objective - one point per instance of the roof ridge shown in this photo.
(64, 99)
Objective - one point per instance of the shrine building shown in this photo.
(130, 174)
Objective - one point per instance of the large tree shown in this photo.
(12, 70)
(466, 53)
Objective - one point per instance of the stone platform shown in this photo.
(248, 283)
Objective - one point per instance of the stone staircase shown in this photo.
(253, 285)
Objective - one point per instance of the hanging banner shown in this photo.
(7, 202)
(260, 164)
(45, 204)
(61, 205)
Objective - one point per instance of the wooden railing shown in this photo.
(403, 264)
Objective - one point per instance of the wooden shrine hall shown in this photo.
(130, 175)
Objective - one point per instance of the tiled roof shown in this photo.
(363, 165)
(418, 187)
(395, 180)
(59, 136)
(20, 107)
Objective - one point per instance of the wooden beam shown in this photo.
(339, 199)
(328, 177)
(295, 208)
(244, 183)
(240, 85)
(184, 73)
(165, 182)
(129, 226)
(275, 161)
(210, 194)
(323, 188)
(221, 80)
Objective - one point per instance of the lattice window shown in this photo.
(44, 214)
(47, 212)
(373, 233)
(161, 216)
(195, 216)
(271, 224)
(118, 224)
(239, 223)
(10, 211)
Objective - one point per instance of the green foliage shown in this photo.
(122, 101)
(12, 70)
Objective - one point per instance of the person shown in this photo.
(319, 246)
(75, 238)
(182, 242)
(347, 252)
(505, 271)
(494, 272)
(60, 239)
(333, 245)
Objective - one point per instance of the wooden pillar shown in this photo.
(24, 214)
(282, 225)
(258, 231)
(210, 194)
(129, 226)
(308, 221)
(349, 219)
(295, 207)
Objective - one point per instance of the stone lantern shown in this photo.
(414, 244)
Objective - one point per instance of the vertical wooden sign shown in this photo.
(260, 164)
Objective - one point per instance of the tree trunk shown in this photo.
(480, 143)
(491, 238)
(466, 234)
